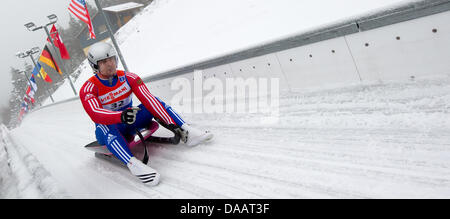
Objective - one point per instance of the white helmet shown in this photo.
(100, 51)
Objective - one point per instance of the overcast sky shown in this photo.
(15, 37)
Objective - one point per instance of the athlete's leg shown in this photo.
(174, 115)
(111, 136)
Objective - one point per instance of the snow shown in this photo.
(370, 141)
(386, 140)
(22, 176)
(123, 7)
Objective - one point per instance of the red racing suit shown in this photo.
(104, 104)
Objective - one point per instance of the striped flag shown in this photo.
(30, 94)
(33, 83)
(45, 76)
(40, 72)
(26, 103)
(23, 110)
(32, 88)
(47, 58)
(79, 9)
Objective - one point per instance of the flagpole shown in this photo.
(111, 34)
(60, 59)
(53, 19)
(34, 63)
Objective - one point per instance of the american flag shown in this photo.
(79, 9)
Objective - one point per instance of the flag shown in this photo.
(58, 43)
(47, 58)
(23, 109)
(79, 9)
(45, 75)
(30, 94)
(21, 113)
(31, 89)
(36, 69)
(40, 72)
(25, 103)
(33, 83)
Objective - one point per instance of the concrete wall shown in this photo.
(349, 54)
(413, 48)
(401, 43)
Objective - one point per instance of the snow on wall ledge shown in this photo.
(397, 52)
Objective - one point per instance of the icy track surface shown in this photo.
(374, 141)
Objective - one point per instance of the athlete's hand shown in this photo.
(129, 115)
